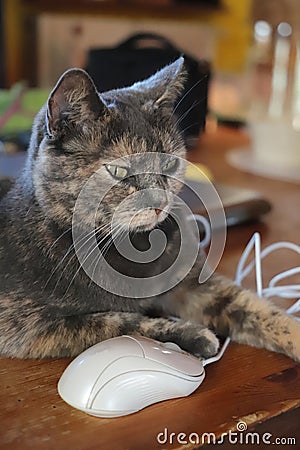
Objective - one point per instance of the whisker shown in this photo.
(104, 250)
(70, 249)
(187, 93)
(85, 259)
(189, 126)
(180, 119)
(61, 261)
(56, 240)
(119, 230)
(28, 210)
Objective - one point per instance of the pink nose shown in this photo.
(161, 207)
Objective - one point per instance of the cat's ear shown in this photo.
(74, 99)
(164, 87)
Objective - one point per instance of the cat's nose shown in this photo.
(162, 205)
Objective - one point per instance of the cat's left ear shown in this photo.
(164, 88)
(73, 100)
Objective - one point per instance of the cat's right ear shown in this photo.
(73, 100)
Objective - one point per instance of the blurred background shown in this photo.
(250, 46)
(41, 38)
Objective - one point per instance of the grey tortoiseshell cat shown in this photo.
(48, 305)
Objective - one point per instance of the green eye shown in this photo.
(171, 165)
(117, 171)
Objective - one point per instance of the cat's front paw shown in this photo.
(206, 344)
(202, 343)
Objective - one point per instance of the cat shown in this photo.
(49, 306)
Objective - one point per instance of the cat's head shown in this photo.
(80, 131)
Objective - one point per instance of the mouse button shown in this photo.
(144, 341)
(173, 346)
(99, 356)
(114, 347)
(180, 361)
(137, 340)
(71, 387)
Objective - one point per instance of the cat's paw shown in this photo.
(202, 343)
(206, 344)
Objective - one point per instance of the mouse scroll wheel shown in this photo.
(172, 346)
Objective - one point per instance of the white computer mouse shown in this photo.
(125, 374)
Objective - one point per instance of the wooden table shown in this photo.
(257, 387)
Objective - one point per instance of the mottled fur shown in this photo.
(48, 305)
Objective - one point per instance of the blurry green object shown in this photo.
(18, 106)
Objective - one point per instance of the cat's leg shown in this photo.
(240, 314)
(32, 332)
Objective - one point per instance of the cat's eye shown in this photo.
(117, 171)
(171, 165)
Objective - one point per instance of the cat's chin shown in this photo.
(147, 220)
(140, 228)
(149, 226)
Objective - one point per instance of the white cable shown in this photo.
(219, 355)
(271, 248)
(207, 233)
(240, 274)
(294, 308)
(285, 274)
(258, 272)
(287, 291)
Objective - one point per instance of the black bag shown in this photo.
(132, 61)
